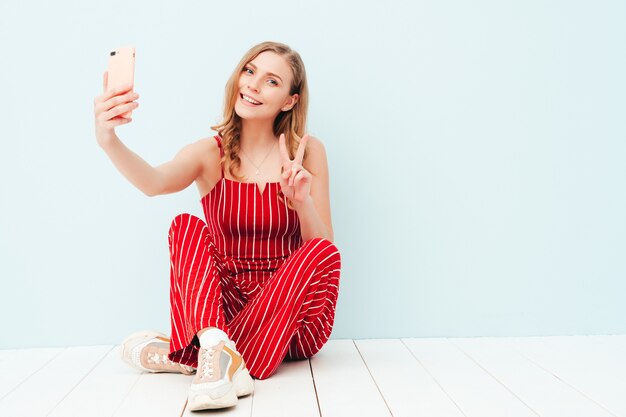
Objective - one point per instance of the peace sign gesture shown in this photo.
(295, 181)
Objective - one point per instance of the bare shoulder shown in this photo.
(208, 149)
(316, 155)
(209, 153)
(314, 142)
(207, 144)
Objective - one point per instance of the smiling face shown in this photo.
(266, 80)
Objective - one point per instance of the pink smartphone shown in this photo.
(121, 70)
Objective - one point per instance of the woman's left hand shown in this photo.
(295, 181)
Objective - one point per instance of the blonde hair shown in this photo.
(292, 122)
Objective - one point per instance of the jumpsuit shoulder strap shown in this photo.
(219, 144)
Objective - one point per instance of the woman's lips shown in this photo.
(247, 102)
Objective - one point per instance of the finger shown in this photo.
(284, 154)
(301, 146)
(105, 80)
(301, 177)
(118, 121)
(116, 91)
(107, 95)
(294, 171)
(291, 175)
(126, 98)
(116, 111)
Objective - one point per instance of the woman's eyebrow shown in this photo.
(269, 73)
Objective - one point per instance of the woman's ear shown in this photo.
(291, 102)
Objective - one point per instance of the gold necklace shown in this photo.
(257, 166)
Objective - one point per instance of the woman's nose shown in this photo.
(253, 86)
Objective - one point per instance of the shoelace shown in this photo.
(155, 358)
(207, 363)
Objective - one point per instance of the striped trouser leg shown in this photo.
(195, 289)
(293, 314)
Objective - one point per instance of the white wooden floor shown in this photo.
(463, 377)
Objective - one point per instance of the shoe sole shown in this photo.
(242, 385)
(205, 402)
(125, 355)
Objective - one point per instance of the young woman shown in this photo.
(258, 281)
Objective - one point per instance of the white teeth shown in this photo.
(245, 97)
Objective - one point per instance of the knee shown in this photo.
(321, 242)
(182, 222)
(328, 248)
(262, 374)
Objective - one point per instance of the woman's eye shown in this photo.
(250, 69)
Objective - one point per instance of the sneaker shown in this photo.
(148, 351)
(221, 378)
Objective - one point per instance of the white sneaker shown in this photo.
(221, 378)
(148, 351)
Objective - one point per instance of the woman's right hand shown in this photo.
(107, 108)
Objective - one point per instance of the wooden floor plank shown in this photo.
(102, 391)
(289, 392)
(407, 387)
(542, 391)
(156, 395)
(17, 365)
(593, 365)
(40, 393)
(460, 377)
(344, 384)
(476, 393)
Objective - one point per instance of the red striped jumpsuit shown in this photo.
(247, 272)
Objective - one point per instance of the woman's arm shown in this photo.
(311, 224)
(314, 212)
(167, 178)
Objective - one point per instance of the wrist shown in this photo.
(106, 141)
(303, 205)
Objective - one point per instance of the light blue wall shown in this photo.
(476, 154)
